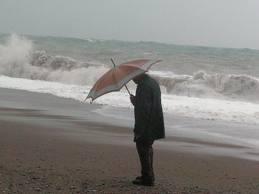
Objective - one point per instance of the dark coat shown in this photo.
(149, 120)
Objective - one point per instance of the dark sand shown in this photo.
(45, 153)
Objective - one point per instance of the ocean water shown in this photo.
(198, 82)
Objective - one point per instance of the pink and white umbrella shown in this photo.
(119, 76)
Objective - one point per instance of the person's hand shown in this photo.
(132, 99)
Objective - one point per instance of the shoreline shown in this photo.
(201, 136)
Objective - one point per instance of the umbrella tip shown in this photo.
(113, 62)
(86, 98)
(91, 101)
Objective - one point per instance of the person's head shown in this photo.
(139, 78)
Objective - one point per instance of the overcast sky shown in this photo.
(221, 23)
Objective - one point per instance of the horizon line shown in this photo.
(130, 41)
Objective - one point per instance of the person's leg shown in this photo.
(145, 152)
(142, 156)
(151, 170)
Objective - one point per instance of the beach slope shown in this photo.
(47, 147)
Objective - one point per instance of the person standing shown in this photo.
(149, 124)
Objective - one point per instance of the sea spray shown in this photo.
(15, 56)
(18, 58)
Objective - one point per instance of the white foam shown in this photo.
(18, 58)
(214, 85)
(212, 108)
(185, 106)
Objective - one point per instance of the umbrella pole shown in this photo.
(125, 85)
(127, 89)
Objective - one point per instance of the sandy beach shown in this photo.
(54, 145)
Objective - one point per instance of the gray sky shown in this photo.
(221, 23)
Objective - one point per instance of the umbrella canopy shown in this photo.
(119, 76)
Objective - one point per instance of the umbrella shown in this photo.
(119, 76)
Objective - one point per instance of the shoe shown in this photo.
(143, 182)
(138, 178)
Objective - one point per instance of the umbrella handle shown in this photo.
(127, 89)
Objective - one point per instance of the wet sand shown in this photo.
(43, 152)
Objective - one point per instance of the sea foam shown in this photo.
(205, 85)
(212, 109)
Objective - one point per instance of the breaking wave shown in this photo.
(19, 58)
(202, 84)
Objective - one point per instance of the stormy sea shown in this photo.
(218, 85)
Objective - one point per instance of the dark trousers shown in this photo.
(145, 152)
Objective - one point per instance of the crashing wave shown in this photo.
(202, 84)
(18, 58)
